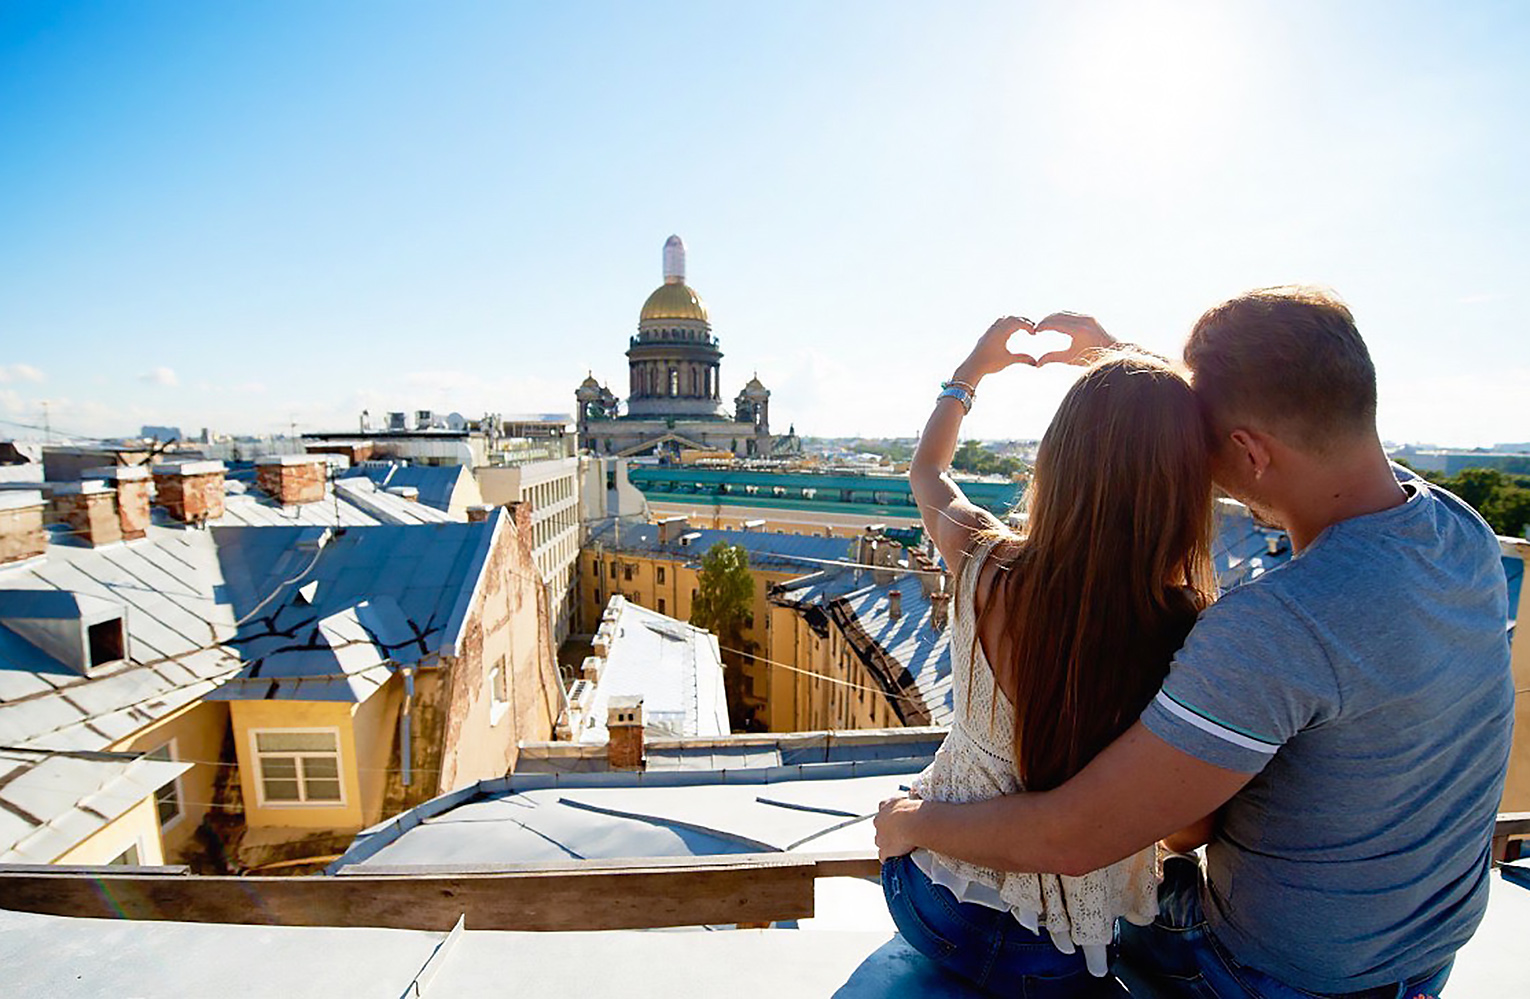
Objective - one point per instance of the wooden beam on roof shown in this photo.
(577, 895)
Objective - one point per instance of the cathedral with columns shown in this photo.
(674, 386)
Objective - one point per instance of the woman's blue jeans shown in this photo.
(987, 947)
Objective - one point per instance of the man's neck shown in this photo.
(1337, 488)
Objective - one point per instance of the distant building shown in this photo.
(674, 391)
(657, 566)
(1449, 463)
(798, 500)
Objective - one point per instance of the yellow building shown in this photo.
(657, 565)
(259, 692)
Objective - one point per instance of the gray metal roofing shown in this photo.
(436, 483)
(676, 668)
(49, 803)
(851, 956)
(819, 806)
(390, 593)
(780, 551)
(185, 589)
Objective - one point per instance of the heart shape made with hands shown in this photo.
(1038, 345)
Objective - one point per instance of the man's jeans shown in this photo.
(988, 947)
(1177, 957)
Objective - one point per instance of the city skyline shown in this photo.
(248, 218)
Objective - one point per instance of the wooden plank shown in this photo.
(1508, 826)
(583, 895)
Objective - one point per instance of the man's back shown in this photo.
(1367, 683)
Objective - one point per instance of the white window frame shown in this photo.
(259, 775)
(497, 707)
(180, 792)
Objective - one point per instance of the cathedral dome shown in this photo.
(674, 301)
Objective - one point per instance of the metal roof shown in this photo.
(782, 552)
(385, 594)
(49, 803)
(437, 484)
(676, 668)
(813, 805)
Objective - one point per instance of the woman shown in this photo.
(1061, 635)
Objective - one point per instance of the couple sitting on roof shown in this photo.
(1335, 733)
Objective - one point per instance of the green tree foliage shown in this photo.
(724, 596)
(974, 457)
(1503, 500)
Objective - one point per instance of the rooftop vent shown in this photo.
(83, 632)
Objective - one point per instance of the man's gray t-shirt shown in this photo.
(1366, 683)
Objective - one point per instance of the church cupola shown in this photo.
(674, 360)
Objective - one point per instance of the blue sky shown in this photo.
(243, 215)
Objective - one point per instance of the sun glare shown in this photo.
(1148, 87)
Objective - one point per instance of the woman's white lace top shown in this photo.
(976, 762)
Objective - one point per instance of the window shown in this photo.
(127, 858)
(613, 568)
(298, 766)
(627, 573)
(660, 572)
(167, 798)
(499, 691)
(661, 605)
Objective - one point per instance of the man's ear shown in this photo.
(1251, 451)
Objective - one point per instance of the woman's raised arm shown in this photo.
(949, 519)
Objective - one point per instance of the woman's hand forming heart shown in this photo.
(1088, 336)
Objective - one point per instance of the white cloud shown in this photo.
(20, 373)
(160, 376)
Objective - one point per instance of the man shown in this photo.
(1346, 716)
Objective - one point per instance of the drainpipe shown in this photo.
(405, 748)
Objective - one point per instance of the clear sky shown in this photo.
(239, 215)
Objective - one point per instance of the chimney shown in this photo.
(754, 525)
(90, 509)
(940, 610)
(291, 479)
(409, 493)
(21, 526)
(885, 559)
(624, 723)
(895, 604)
(670, 529)
(479, 513)
(190, 491)
(132, 485)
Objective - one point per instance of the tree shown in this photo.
(724, 596)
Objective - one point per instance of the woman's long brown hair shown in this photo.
(1114, 565)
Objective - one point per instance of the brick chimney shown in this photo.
(21, 525)
(89, 508)
(895, 604)
(479, 513)
(624, 723)
(190, 491)
(131, 483)
(291, 479)
(940, 610)
(410, 493)
(670, 529)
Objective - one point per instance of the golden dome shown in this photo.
(674, 301)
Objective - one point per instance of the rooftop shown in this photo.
(676, 668)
